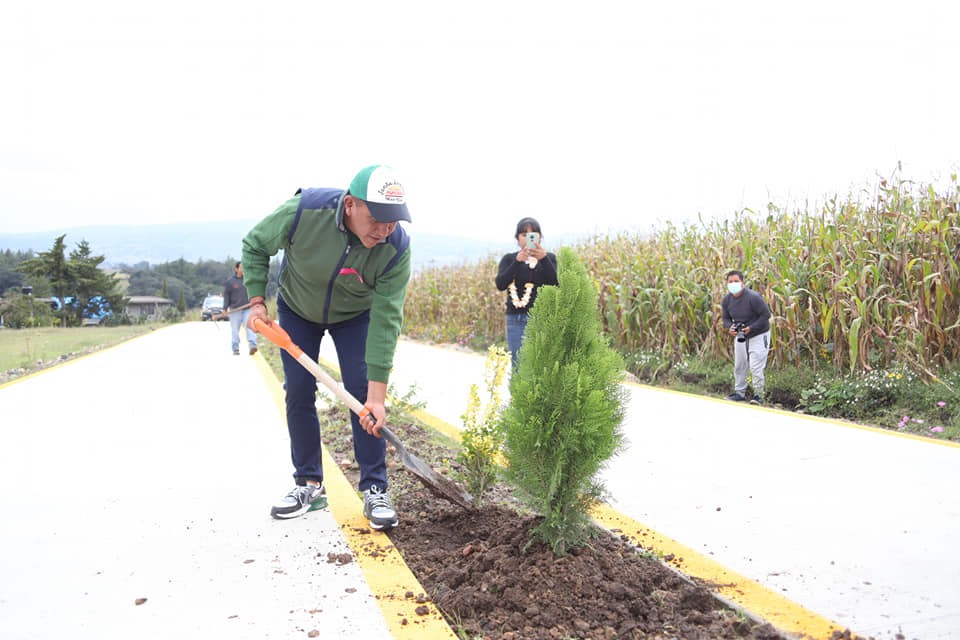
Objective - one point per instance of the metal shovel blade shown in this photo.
(438, 485)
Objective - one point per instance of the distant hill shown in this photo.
(156, 244)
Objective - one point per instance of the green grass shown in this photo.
(24, 348)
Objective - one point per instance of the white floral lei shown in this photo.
(518, 302)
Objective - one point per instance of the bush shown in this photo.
(648, 366)
(864, 396)
(785, 384)
(22, 311)
(563, 421)
(699, 374)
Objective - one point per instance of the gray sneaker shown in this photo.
(299, 501)
(378, 509)
(736, 397)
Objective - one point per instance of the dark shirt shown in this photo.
(749, 308)
(234, 293)
(545, 273)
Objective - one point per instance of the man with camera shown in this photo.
(747, 318)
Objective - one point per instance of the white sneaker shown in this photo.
(378, 509)
(300, 500)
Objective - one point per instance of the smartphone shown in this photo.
(532, 239)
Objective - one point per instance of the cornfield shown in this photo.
(853, 284)
(456, 304)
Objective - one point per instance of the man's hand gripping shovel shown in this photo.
(438, 485)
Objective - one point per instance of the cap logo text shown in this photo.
(392, 192)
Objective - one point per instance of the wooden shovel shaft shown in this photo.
(275, 333)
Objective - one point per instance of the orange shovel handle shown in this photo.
(275, 334)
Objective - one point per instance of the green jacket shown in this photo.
(327, 275)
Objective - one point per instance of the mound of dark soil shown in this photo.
(481, 571)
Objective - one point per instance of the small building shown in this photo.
(147, 306)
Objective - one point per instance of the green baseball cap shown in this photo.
(380, 187)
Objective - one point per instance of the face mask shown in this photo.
(734, 287)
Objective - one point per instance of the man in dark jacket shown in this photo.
(747, 318)
(234, 297)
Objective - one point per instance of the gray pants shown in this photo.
(752, 355)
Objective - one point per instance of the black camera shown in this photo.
(739, 327)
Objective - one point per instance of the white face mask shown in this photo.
(734, 287)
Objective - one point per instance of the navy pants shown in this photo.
(350, 340)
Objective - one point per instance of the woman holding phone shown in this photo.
(520, 274)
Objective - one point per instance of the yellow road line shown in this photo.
(428, 419)
(407, 611)
(753, 597)
(438, 424)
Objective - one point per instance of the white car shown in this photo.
(212, 305)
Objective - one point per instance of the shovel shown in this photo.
(438, 485)
(224, 314)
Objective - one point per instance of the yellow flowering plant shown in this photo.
(482, 438)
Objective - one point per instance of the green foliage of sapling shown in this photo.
(563, 421)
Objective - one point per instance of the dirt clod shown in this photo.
(339, 559)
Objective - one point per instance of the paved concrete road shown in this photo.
(859, 525)
(855, 524)
(148, 471)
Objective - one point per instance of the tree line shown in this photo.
(80, 286)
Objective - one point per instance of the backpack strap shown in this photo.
(314, 199)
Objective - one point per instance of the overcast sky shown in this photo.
(589, 116)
